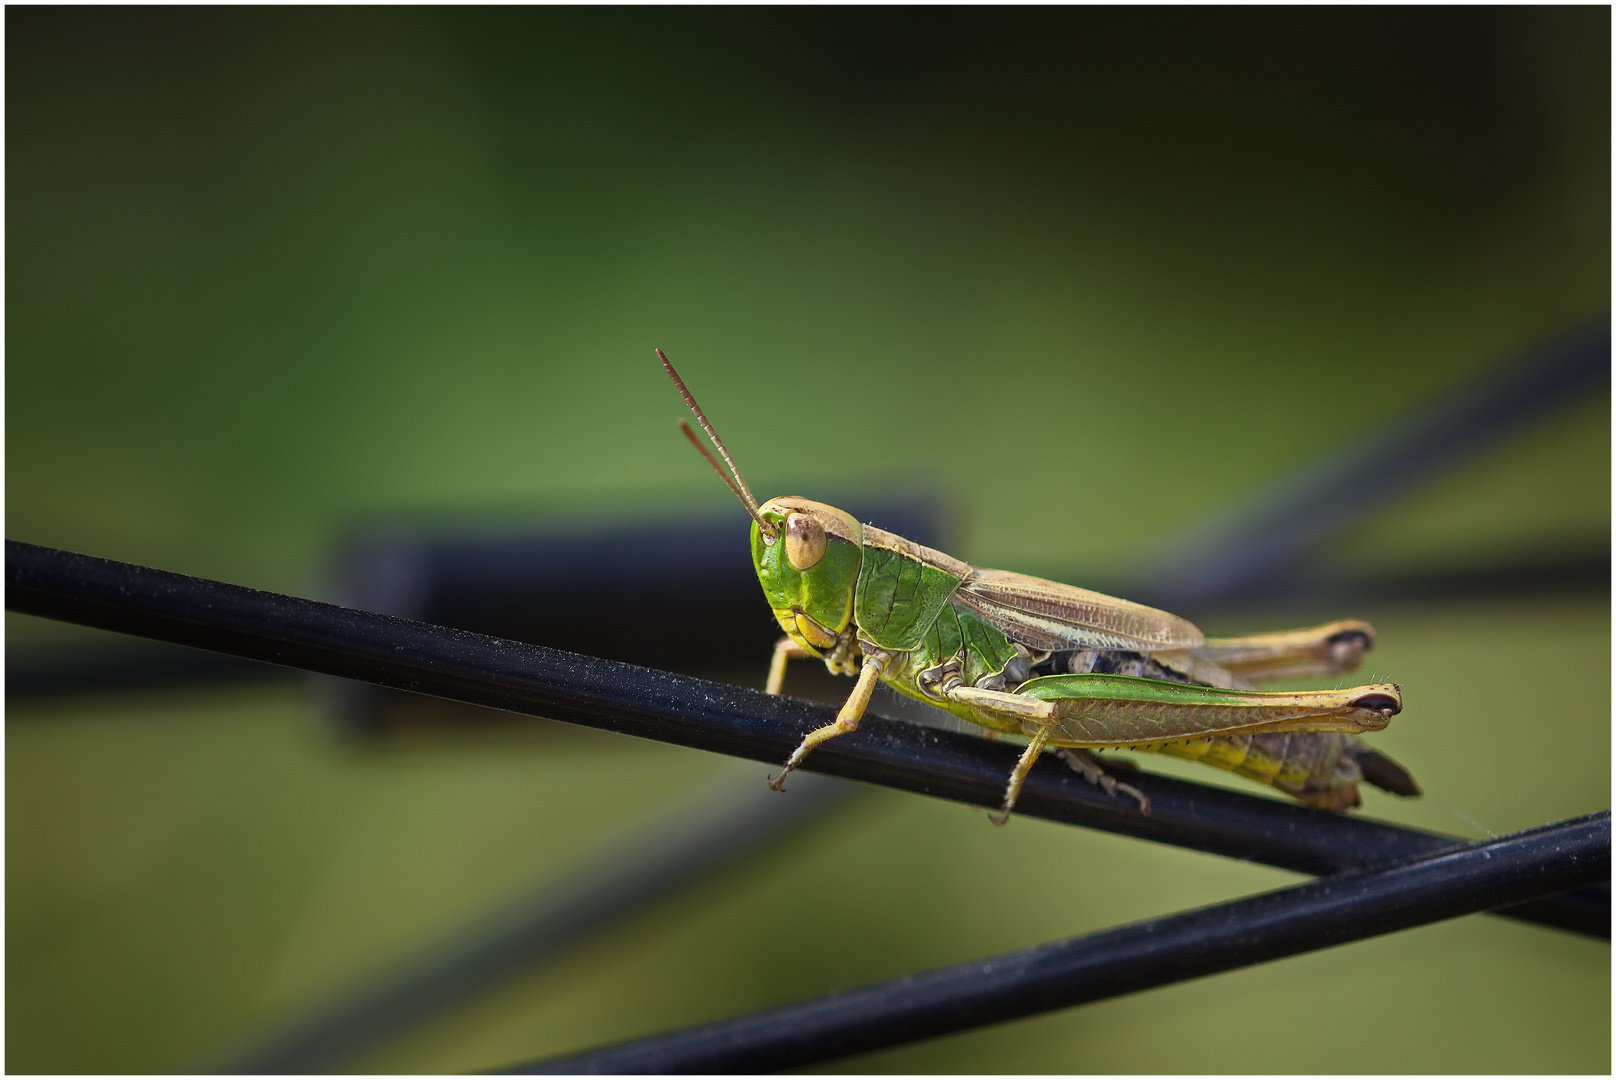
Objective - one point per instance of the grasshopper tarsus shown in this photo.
(1143, 800)
(1084, 764)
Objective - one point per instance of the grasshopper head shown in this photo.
(808, 567)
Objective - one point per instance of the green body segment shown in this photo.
(954, 632)
(900, 598)
(984, 652)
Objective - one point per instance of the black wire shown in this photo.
(1125, 960)
(501, 674)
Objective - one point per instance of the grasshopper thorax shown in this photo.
(807, 556)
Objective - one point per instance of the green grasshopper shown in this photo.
(1063, 666)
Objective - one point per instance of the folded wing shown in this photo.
(1049, 616)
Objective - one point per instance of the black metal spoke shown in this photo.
(1158, 952)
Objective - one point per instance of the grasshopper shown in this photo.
(1063, 666)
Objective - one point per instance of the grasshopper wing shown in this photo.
(1049, 616)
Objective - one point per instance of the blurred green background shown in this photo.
(1092, 273)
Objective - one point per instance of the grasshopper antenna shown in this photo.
(736, 485)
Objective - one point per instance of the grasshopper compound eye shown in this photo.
(805, 541)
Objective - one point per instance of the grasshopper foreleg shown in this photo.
(1090, 769)
(784, 649)
(847, 719)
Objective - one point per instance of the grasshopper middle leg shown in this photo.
(847, 719)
